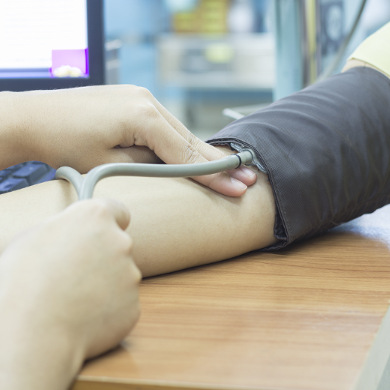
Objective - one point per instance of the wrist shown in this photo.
(15, 139)
(36, 354)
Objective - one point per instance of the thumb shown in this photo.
(119, 211)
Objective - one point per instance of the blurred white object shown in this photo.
(67, 71)
(239, 112)
(231, 113)
(241, 17)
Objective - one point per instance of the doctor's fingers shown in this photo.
(171, 147)
(200, 148)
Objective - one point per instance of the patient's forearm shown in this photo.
(178, 224)
(175, 223)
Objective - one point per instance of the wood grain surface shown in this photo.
(311, 317)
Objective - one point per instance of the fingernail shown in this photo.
(247, 172)
(238, 184)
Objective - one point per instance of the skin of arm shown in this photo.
(66, 299)
(353, 63)
(176, 223)
(373, 52)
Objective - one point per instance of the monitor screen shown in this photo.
(46, 44)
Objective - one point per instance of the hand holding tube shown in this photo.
(68, 291)
(86, 127)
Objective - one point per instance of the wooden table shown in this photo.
(314, 316)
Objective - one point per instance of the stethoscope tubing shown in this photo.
(85, 185)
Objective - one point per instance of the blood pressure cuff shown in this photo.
(325, 149)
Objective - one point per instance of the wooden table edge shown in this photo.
(85, 382)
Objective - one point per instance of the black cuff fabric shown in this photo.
(326, 150)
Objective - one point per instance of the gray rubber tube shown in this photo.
(85, 185)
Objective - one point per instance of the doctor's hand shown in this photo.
(68, 291)
(85, 127)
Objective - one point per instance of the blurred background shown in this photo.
(210, 60)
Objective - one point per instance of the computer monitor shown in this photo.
(51, 44)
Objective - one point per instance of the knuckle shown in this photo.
(190, 154)
(141, 102)
(149, 116)
(147, 110)
(143, 92)
(99, 209)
